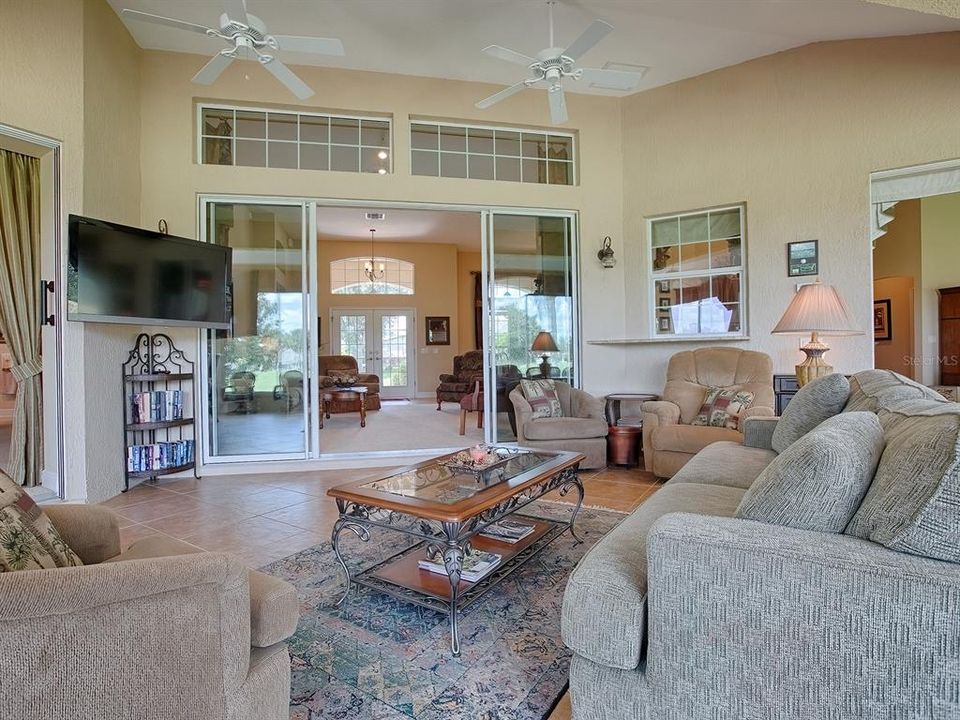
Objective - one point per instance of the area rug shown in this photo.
(377, 658)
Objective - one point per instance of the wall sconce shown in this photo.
(605, 255)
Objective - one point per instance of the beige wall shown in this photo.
(435, 293)
(467, 264)
(794, 135)
(897, 353)
(940, 230)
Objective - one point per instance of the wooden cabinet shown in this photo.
(949, 336)
(784, 388)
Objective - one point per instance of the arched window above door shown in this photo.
(348, 277)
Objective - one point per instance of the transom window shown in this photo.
(696, 265)
(348, 277)
(308, 141)
(491, 153)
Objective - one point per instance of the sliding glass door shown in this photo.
(258, 395)
(531, 307)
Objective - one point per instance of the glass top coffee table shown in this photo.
(447, 507)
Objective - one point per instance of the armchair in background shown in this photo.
(333, 366)
(669, 438)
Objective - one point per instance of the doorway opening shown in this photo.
(351, 344)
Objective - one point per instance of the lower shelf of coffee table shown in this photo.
(401, 577)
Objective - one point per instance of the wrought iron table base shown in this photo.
(453, 540)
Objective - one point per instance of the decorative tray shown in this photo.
(492, 464)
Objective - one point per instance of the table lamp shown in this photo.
(544, 343)
(819, 310)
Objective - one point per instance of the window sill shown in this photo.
(671, 339)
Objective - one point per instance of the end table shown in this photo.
(624, 441)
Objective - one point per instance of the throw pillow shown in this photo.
(818, 482)
(28, 540)
(814, 403)
(913, 505)
(542, 396)
(722, 407)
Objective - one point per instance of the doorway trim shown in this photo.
(49, 151)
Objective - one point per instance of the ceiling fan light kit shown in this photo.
(248, 38)
(553, 64)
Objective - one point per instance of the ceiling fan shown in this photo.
(247, 37)
(553, 64)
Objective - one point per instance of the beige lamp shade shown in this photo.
(817, 309)
(544, 342)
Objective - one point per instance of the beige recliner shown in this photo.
(157, 632)
(582, 428)
(669, 440)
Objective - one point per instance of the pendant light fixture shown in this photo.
(370, 268)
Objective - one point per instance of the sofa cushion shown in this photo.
(722, 408)
(542, 396)
(564, 428)
(690, 439)
(604, 605)
(814, 403)
(725, 463)
(274, 608)
(28, 540)
(873, 389)
(818, 482)
(913, 504)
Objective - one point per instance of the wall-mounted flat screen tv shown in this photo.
(121, 274)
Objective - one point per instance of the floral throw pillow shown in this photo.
(28, 540)
(722, 408)
(542, 396)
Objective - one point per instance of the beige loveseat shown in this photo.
(582, 429)
(669, 440)
(160, 631)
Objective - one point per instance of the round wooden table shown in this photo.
(623, 445)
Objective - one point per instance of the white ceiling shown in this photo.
(401, 225)
(443, 38)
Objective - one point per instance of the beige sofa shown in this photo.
(157, 632)
(669, 440)
(583, 427)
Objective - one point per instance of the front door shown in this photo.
(383, 342)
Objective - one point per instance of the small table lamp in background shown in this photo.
(544, 343)
(817, 309)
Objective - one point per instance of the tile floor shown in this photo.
(262, 518)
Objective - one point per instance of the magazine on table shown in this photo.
(508, 531)
(476, 565)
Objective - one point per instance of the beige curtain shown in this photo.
(19, 320)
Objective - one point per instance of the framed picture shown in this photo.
(664, 302)
(663, 286)
(663, 325)
(438, 330)
(881, 320)
(803, 258)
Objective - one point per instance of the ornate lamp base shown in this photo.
(545, 366)
(814, 366)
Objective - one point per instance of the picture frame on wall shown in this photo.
(663, 286)
(664, 302)
(438, 330)
(881, 320)
(803, 258)
(663, 324)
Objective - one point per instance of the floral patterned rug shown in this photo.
(377, 658)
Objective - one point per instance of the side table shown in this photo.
(623, 444)
(612, 407)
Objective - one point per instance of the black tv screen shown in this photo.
(120, 274)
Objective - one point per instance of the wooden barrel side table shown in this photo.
(623, 445)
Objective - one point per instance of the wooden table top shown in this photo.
(460, 510)
(333, 390)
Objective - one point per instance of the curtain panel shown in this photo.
(19, 319)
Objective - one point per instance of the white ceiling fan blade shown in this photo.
(558, 105)
(613, 79)
(160, 20)
(211, 71)
(502, 95)
(502, 53)
(597, 31)
(236, 10)
(289, 78)
(320, 46)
